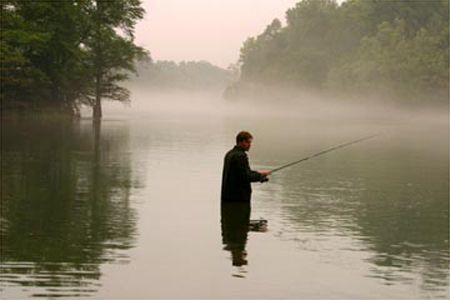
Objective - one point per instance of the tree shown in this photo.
(40, 54)
(62, 54)
(111, 51)
(185, 75)
(398, 49)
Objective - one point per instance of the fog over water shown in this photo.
(304, 106)
(139, 198)
(373, 213)
(127, 205)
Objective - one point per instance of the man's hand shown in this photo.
(265, 173)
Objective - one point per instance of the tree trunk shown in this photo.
(97, 112)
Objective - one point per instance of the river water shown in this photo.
(131, 209)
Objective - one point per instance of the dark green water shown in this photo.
(131, 210)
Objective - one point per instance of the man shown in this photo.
(236, 193)
(237, 175)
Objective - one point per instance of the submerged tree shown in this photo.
(62, 54)
(111, 49)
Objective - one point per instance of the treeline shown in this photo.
(62, 54)
(187, 75)
(392, 49)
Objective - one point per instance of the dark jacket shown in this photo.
(237, 176)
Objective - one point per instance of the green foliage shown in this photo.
(397, 49)
(62, 54)
(112, 50)
(19, 42)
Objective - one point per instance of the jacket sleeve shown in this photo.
(245, 172)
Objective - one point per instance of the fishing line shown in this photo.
(323, 152)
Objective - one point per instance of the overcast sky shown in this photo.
(211, 30)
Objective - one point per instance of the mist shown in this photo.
(389, 67)
(121, 121)
(149, 104)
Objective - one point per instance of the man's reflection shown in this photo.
(236, 223)
(235, 219)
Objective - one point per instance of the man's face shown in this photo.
(246, 144)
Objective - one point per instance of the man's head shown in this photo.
(244, 140)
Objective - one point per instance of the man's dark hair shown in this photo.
(243, 136)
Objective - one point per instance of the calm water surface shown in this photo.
(131, 210)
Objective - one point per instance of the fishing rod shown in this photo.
(323, 152)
